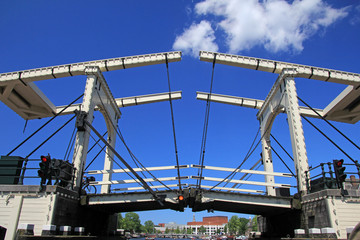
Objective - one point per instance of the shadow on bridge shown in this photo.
(197, 199)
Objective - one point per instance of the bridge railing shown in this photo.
(240, 182)
(323, 177)
(121, 184)
(13, 168)
(12, 171)
(16, 170)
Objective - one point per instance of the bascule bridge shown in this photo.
(319, 203)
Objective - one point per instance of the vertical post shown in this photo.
(307, 173)
(82, 137)
(323, 175)
(109, 155)
(267, 160)
(296, 133)
(14, 217)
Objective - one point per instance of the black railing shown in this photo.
(323, 177)
(13, 168)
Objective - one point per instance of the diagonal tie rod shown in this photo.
(145, 185)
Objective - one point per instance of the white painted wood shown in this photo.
(37, 210)
(243, 182)
(128, 101)
(135, 180)
(347, 212)
(74, 69)
(267, 65)
(137, 169)
(141, 188)
(252, 103)
(232, 189)
(243, 171)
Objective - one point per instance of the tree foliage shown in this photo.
(243, 225)
(202, 229)
(238, 225)
(255, 224)
(131, 222)
(120, 224)
(149, 226)
(233, 224)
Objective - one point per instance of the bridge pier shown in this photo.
(281, 225)
(54, 206)
(323, 210)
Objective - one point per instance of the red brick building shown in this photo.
(212, 225)
(216, 220)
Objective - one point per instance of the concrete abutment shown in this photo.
(55, 206)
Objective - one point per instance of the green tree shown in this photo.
(167, 231)
(183, 230)
(243, 225)
(120, 222)
(132, 222)
(149, 226)
(189, 231)
(177, 231)
(254, 224)
(226, 228)
(233, 224)
(142, 229)
(202, 229)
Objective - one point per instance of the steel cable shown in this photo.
(205, 127)
(173, 121)
(262, 136)
(342, 134)
(337, 146)
(44, 125)
(117, 130)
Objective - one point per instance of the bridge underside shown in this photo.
(207, 200)
(244, 203)
(136, 201)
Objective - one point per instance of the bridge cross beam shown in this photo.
(283, 96)
(97, 95)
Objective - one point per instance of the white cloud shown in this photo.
(197, 37)
(356, 18)
(275, 24)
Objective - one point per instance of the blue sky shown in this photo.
(317, 33)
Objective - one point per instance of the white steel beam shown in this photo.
(267, 65)
(283, 95)
(251, 103)
(126, 181)
(249, 201)
(243, 182)
(132, 197)
(243, 171)
(145, 99)
(233, 189)
(74, 69)
(27, 100)
(237, 101)
(129, 101)
(137, 169)
(153, 187)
